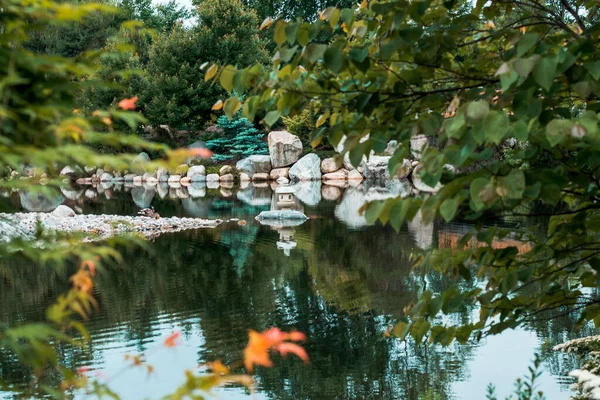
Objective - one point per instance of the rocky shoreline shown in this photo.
(285, 164)
(24, 225)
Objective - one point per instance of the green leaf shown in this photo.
(272, 117)
(496, 126)
(513, 185)
(290, 32)
(418, 329)
(593, 68)
(212, 71)
(332, 59)
(545, 71)
(524, 66)
(232, 105)
(525, 43)
(478, 110)
(279, 34)
(227, 76)
(558, 130)
(334, 17)
(314, 52)
(475, 190)
(448, 209)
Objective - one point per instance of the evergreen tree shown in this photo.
(241, 139)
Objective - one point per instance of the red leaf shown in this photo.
(128, 104)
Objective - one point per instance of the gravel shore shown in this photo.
(100, 226)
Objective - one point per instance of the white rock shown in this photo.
(67, 171)
(63, 211)
(282, 180)
(244, 177)
(376, 168)
(174, 179)
(260, 177)
(328, 165)
(197, 173)
(225, 169)
(254, 164)
(418, 144)
(212, 178)
(284, 148)
(138, 164)
(279, 173)
(162, 174)
(354, 175)
(340, 175)
(226, 177)
(106, 177)
(308, 168)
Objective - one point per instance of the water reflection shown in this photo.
(334, 277)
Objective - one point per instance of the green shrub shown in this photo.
(301, 125)
(241, 139)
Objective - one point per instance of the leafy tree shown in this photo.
(175, 93)
(471, 78)
(241, 139)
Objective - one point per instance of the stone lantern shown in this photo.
(285, 197)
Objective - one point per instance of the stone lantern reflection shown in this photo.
(286, 239)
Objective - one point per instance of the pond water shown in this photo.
(334, 277)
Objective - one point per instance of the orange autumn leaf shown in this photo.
(296, 336)
(128, 104)
(287, 347)
(171, 341)
(150, 369)
(217, 106)
(259, 345)
(257, 351)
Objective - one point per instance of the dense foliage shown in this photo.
(472, 79)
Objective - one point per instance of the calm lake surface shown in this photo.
(334, 277)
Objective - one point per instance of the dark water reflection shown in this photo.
(339, 280)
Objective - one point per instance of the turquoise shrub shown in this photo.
(241, 140)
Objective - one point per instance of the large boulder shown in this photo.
(197, 173)
(308, 168)
(254, 164)
(138, 165)
(376, 168)
(284, 148)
